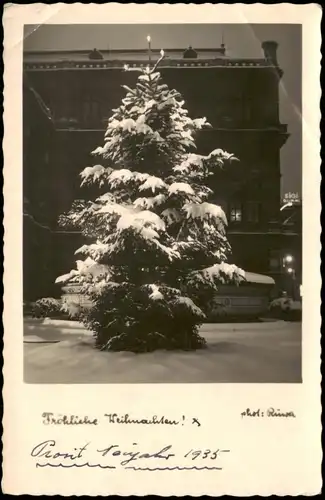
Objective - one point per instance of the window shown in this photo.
(91, 113)
(235, 212)
(274, 260)
(253, 212)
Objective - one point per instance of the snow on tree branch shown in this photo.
(180, 187)
(150, 202)
(152, 183)
(157, 241)
(189, 304)
(204, 211)
(222, 273)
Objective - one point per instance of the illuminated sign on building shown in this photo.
(292, 198)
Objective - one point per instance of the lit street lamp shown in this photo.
(292, 272)
(288, 265)
(289, 204)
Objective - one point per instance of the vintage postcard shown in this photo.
(162, 249)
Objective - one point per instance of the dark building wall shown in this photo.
(38, 135)
(38, 143)
(241, 103)
(230, 97)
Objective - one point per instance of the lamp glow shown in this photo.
(288, 258)
(148, 38)
(290, 270)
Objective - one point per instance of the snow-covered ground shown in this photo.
(61, 352)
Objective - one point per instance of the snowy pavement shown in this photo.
(61, 352)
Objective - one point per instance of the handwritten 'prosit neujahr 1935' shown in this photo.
(134, 456)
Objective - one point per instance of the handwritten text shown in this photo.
(49, 454)
(269, 412)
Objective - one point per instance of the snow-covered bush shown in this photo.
(46, 307)
(286, 308)
(160, 247)
(28, 308)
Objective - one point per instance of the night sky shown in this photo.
(241, 40)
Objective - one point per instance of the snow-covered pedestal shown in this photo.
(250, 300)
(74, 301)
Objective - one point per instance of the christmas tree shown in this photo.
(159, 247)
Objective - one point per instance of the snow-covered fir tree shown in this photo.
(159, 247)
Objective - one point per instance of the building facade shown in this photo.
(239, 97)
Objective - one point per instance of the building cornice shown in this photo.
(281, 128)
(265, 233)
(168, 63)
(120, 51)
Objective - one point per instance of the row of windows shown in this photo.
(250, 212)
(92, 112)
(236, 109)
(89, 113)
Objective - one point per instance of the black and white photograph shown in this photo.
(162, 281)
(162, 203)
